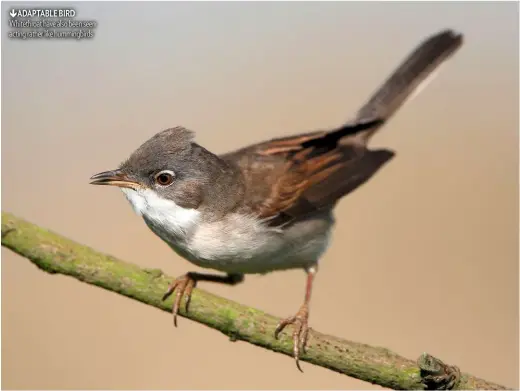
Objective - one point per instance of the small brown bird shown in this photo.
(268, 206)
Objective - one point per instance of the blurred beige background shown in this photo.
(440, 221)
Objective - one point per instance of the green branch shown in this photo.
(56, 254)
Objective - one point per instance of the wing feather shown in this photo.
(295, 176)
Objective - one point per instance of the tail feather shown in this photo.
(409, 78)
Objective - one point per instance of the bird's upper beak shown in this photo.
(114, 178)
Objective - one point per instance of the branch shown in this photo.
(56, 254)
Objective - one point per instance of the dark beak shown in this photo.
(113, 178)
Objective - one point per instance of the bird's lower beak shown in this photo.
(113, 178)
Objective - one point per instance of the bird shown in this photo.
(268, 206)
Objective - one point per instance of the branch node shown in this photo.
(437, 375)
(7, 231)
(154, 273)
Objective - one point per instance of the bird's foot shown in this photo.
(184, 286)
(300, 333)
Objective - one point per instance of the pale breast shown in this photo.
(164, 217)
(244, 244)
(237, 243)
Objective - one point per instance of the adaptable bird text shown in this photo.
(51, 28)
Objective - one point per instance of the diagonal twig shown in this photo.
(56, 254)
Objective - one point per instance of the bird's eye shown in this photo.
(165, 178)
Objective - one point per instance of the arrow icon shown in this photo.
(12, 13)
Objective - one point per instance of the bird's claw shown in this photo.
(300, 333)
(184, 286)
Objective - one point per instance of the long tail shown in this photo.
(408, 80)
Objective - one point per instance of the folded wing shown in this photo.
(308, 172)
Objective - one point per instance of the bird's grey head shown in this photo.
(169, 165)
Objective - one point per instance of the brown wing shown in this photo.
(316, 172)
(294, 176)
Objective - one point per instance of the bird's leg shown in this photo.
(300, 320)
(185, 284)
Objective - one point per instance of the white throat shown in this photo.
(167, 219)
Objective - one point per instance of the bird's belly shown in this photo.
(243, 245)
(237, 243)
